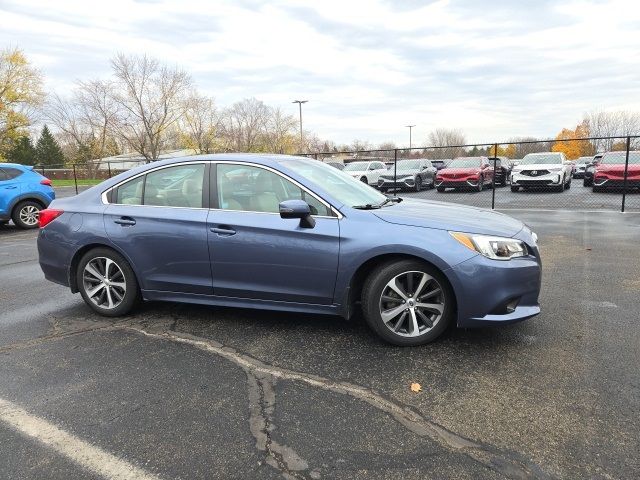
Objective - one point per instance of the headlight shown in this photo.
(496, 248)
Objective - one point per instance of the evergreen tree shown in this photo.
(22, 152)
(48, 152)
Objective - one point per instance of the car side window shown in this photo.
(12, 173)
(3, 176)
(130, 193)
(179, 186)
(255, 189)
(372, 166)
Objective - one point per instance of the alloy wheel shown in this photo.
(29, 215)
(104, 282)
(411, 303)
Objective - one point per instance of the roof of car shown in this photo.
(15, 165)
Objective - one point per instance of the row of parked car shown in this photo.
(549, 170)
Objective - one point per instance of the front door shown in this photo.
(159, 221)
(258, 255)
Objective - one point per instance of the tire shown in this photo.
(515, 188)
(127, 287)
(25, 214)
(363, 179)
(503, 181)
(418, 184)
(568, 186)
(480, 186)
(440, 189)
(587, 183)
(560, 188)
(399, 329)
(596, 189)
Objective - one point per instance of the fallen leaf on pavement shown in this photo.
(415, 387)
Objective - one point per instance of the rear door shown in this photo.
(159, 220)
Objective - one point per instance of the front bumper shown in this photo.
(615, 183)
(408, 182)
(492, 292)
(462, 183)
(550, 179)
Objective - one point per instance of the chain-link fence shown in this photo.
(521, 175)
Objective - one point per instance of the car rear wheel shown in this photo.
(25, 214)
(407, 302)
(107, 282)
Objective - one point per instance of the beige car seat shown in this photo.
(265, 198)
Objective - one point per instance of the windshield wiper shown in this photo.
(374, 206)
(368, 206)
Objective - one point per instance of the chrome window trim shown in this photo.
(330, 207)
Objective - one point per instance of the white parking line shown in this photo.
(84, 454)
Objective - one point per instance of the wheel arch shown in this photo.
(358, 278)
(26, 198)
(75, 261)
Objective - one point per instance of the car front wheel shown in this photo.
(25, 214)
(407, 302)
(418, 184)
(107, 282)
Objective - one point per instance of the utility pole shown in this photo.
(409, 127)
(300, 102)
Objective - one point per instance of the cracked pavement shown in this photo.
(184, 391)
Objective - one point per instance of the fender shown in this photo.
(29, 196)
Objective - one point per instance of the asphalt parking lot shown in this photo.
(178, 391)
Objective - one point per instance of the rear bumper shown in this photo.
(54, 258)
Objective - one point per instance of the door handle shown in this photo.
(223, 230)
(125, 221)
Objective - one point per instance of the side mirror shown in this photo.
(297, 209)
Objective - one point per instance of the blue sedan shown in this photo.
(287, 233)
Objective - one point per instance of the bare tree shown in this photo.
(199, 126)
(245, 124)
(280, 136)
(516, 149)
(449, 141)
(611, 124)
(85, 120)
(150, 97)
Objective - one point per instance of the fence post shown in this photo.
(42, 167)
(315, 155)
(109, 168)
(493, 181)
(626, 170)
(75, 178)
(395, 172)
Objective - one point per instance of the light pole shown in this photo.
(409, 127)
(300, 102)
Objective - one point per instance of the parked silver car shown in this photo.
(414, 174)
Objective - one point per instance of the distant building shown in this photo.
(127, 161)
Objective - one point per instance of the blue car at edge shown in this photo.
(287, 233)
(23, 193)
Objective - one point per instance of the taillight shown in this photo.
(45, 181)
(48, 215)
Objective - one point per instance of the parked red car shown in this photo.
(609, 172)
(465, 172)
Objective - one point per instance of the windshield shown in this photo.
(464, 162)
(584, 160)
(407, 165)
(613, 158)
(356, 166)
(544, 159)
(344, 188)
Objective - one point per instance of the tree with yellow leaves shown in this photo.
(20, 95)
(571, 147)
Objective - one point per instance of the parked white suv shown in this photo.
(366, 171)
(546, 169)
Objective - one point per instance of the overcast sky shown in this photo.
(368, 68)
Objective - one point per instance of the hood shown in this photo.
(617, 167)
(449, 216)
(460, 170)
